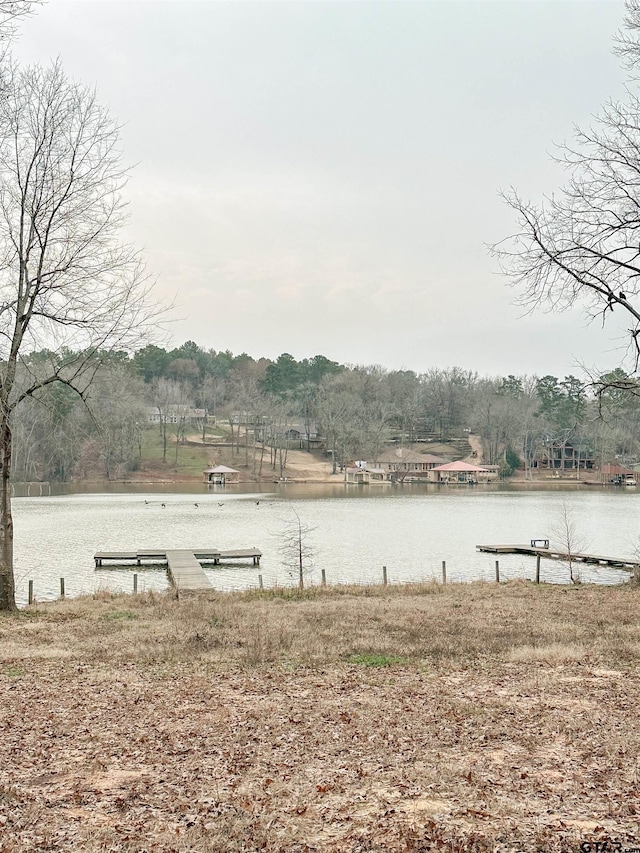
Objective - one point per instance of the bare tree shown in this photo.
(210, 392)
(339, 410)
(115, 402)
(279, 417)
(297, 551)
(446, 395)
(566, 531)
(10, 13)
(581, 246)
(181, 415)
(66, 281)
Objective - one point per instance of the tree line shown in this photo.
(354, 411)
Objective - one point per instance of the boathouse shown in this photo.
(362, 474)
(462, 472)
(221, 476)
(618, 475)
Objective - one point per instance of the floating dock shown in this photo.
(160, 555)
(559, 554)
(183, 564)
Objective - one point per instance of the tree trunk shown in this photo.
(300, 561)
(7, 588)
(282, 458)
(164, 438)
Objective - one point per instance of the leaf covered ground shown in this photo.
(471, 718)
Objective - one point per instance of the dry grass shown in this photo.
(470, 718)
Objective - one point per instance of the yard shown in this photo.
(470, 718)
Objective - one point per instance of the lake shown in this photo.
(355, 531)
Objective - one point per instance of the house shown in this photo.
(221, 476)
(295, 435)
(402, 463)
(564, 456)
(463, 472)
(297, 431)
(174, 414)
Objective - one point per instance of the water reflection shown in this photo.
(356, 531)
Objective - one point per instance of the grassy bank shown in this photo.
(466, 718)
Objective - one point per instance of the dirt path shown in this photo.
(475, 442)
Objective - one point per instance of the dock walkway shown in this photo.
(559, 554)
(186, 571)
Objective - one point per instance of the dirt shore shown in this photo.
(301, 467)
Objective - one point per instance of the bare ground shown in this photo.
(471, 718)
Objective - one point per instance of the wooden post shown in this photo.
(384, 575)
(444, 571)
(260, 584)
(61, 587)
(497, 571)
(135, 582)
(538, 568)
(30, 592)
(324, 578)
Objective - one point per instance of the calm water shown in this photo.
(355, 532)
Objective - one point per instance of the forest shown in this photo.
(352, 411)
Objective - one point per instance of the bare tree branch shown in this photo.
(581, 246)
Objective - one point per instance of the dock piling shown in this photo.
(497, 571)
(135, 582)
(30, 592)
(538, 569)
(324, 578)
(260, 584)
(444, 572)
(61, 587)
(384, 575)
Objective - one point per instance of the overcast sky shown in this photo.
(323, 177)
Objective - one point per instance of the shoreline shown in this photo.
(338, 479)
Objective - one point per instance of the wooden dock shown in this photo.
(559, 554)
(160, 555)
(184, 565)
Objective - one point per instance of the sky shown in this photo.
(325, 177)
